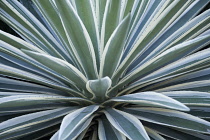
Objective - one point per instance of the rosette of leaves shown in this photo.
(105, 69)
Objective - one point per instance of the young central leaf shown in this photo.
(99, 88)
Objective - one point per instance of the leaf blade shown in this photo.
(171, 118)
(127, 124)
(60, 66)
(151, 99)
(73, 120)
(114, 47)
(79, 40)
(106, 131)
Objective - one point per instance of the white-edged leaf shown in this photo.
(203, 86)
(14, 53)
(74, 120)
(146, 32)
(43, 132)
(13, 72)
(110, 20)
(81, 128)
(106, 131)
(99, 87)
(30, 100)
(99, 8)
(178, 51)
(189, 31)
(78, 37)
(84, 132)
(55, 136)
(49, 12)
(140, 45)
(170, 118)
(30, 28)
(152, 133)
(22, 123)
(140, 12)
(173, 133)
(114, 49)
(13, 85)
(153, 99)
(60, 66)
(127, 124)
(165, 14)
(86, 12)
(15, 62)
(190, 97)
(200, 111)
(17, 42)
(199, 75)
(182, 66)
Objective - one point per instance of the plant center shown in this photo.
(99, 88)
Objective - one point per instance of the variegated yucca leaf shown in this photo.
(105, 69)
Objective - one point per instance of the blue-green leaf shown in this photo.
(99, 88)
(107, 132)
(127, 124)
(74, 120)
(114, 49)
(24, 124)
(78, 37)
(151, 99)
(170, 118)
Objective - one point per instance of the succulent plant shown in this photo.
(105, 69)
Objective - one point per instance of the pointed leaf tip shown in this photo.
(151, 99)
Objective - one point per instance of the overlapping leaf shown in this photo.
(105, 69)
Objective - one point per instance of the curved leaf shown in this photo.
(20, 101)
(106, 131)
(87, 14)
(17, 42)
(55, 136)
(77, 119)
(151, 99)
(79, 39)
(110, 20)
(60, 66)
(22, 123)
(190, 97)
(10, 71)
(139, 45)
(99, 88)
(171, 118)
(127, 124)
(114, 47)
(12, 85)
(182, 66)
(202, 86)
(152, 133)
(16, 55)
(30, 28)
(175, 133)
(200, 111)
(48, 10)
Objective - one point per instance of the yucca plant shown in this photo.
(105, 69)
